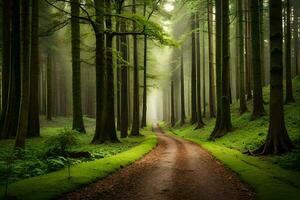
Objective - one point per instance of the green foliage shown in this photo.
(58, 144)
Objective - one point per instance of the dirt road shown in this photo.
(176, 170)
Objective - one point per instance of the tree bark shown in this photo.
(172, 104)
(248, 49)
(277, 140)
(212, 111)
(258, 107)
(225, 121)
(24, 101)
(76, 71)
(144, 113)
(49, 86)
(296, 40)
(182, 102)
(243, 105)
(289, 98)
(200, 123)
(193, 73)
(11, 114)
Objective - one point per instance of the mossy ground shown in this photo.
(272, 177)
(107, 158)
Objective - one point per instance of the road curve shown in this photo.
(175, 170)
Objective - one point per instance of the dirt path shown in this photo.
(175, 170)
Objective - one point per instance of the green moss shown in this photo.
(54, 184)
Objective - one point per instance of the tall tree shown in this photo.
(193, 72)
(296, 39)
(100, 65)
(200, 123)
(262, 45)
(224, 125)
(258, 107)
(172, 103)
(49, 86)
(243, 105)
(24, 101)
(289, 86)
(76, 71)
(136, 107)
(144, 113)
(248, 50)
(6, 37)
(182, 102)
(11, 114)
(211, 76)
(277, 140)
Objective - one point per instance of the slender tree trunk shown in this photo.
(296, 41)
(76, 72)
(118, 81)
(124, 85)
(182, 113)
(289, 85)
(24, 102)
(172, 104)
(212, 111)
(193, 73)
(225, 121)
(100, 66)
(49, 86)
(11, 114)
(277, 140)
(136, 105)
(204, 74)
(258, 107)
(262, 45)
(144, 114)
(6, 59)
(248, 49)
(200, 123)
(243, 105)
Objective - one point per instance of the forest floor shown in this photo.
(177, 169)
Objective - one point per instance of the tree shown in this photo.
(182, 113)
(224, 125)
(258, 107)
(6, 37)
(296, 39)
(277, 140)
(212, 111)
(136, 106)
(289, 85)
(200, 123)
(248, 49)
(76, 74)
(11, 114)
(144, 113)
(243, 105)
(49, 86)
(193, 73)
(172, 104)
(24, 101)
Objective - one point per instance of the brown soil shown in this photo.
(175, 170)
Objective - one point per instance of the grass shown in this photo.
(45, 185)
(272, 177)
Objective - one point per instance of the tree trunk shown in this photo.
(225, 121)
(212, 97)
(262, 45)
(193, 73)
(289, 98)
(296, 40)
(118, 81)
(243, 105)
(248, 49)
(24, 101)
(204, 74)
(100, 66)
(258, 107)
(11, 114)
(144, 114)
(124, 85)
(76, 71)
(172, 104)
(182, 102)
(277, 140)
(49, 87)
(6, 38)
(200, 123)
(136, 105)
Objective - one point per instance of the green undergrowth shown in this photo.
(272, 177)
(42, 155)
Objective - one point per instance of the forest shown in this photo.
(150, 99)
